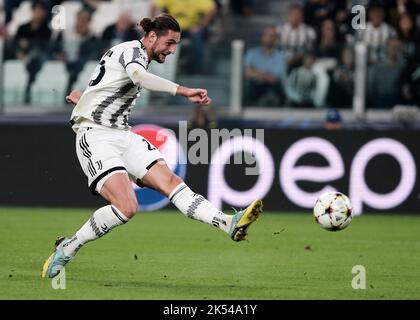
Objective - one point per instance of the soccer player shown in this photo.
(110, 154)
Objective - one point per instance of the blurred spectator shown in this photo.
(341, 89)
(333, 120)
(405, 6)
(194, 18)
(407, 34)
(301, 84)
(219, 5)
(33, 36)
(122, 30)
(203, 117)
(411, 53)
(89, 5)
(384, 78)
(296, 37)
(327, 45)
(376, 34)
(9, 7)
(78, 45)
(317, 11)
(241, 7)
(265, 71)
(31, 43)
(411, 81)
(3, 31)
(343, 26)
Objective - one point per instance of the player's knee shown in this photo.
(127, 206)
(172, 181)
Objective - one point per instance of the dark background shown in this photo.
(39, 167)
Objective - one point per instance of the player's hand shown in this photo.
(197, 96)
(74, 97)
(201, 100)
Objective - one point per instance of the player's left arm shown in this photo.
(152, 82)
(198, 96)
(74, 96)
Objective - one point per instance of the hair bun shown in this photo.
(146, 24)
(160, 24)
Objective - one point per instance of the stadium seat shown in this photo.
(107, 13)
(71, 8)
(21, 15)
(279, 8)
(49, 86)
(138, 9)
(15, 78)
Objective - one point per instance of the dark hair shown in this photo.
(376, 6)
(84, 10)
(160, 24)
(39, 3)
(295, 6)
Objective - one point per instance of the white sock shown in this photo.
(195, 206)
(102, 221)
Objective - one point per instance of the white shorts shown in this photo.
(104, 151)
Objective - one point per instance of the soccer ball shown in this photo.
(333, 211)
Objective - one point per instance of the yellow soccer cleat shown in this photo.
(243, 219)
(56, 261)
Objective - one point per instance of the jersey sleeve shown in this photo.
(133, 55)
(149, 81)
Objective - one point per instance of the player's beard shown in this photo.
(159, 56)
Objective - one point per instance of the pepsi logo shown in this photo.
(166, 141)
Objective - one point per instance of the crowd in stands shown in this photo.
(316, 44)
(306, 61)
(36, 41)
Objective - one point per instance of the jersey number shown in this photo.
(149, 146)
(101, 74)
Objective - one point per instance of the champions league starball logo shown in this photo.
(167, 143)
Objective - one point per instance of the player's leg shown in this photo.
(146, 163)
(195, 206)
(123, 205)
(99, 155)
(117, 189)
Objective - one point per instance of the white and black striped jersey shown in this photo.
(376, 40)
(299, 40)
(375, 37)
(111, 94)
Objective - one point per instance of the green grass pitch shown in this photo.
(163, 255)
